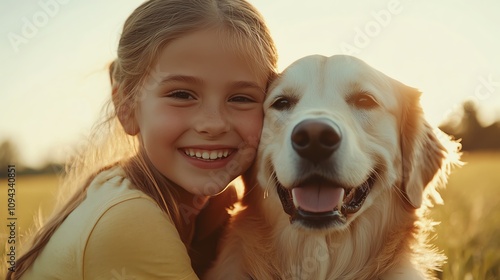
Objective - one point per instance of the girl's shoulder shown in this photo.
(110, 187)
(132, 235)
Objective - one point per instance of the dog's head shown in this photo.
(337, 135)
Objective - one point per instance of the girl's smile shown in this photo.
(208, 155)
(206, 158)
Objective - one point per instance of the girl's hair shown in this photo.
(152, 26)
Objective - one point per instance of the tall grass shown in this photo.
(33, 193)
(469, 233)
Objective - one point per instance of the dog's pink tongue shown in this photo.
(314, 198)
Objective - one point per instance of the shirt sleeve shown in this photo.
(134, 239)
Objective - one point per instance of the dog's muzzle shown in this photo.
(319, 202)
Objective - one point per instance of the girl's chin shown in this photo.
(209, 189)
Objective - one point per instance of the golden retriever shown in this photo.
(347, 166)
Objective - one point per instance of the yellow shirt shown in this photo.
(117, 232)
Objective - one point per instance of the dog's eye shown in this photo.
(363, 101)
(282, 103)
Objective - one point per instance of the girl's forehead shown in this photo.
(249, 52)
(218, 43)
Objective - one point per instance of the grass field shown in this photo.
(469, 233)
(32, 193)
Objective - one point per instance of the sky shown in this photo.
(54, 56)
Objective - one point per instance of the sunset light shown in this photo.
(369, 177)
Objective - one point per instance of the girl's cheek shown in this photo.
(249, 150)
(249, 127)
(256, 129)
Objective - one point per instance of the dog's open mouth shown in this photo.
(318, 202)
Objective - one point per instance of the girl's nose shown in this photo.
(212, 123)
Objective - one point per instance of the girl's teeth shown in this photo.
(207, 155)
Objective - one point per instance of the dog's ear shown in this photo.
(421, 151)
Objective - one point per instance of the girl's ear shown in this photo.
(125, 113)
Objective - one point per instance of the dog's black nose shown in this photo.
(316, 139)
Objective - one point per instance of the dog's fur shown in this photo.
(383, 135)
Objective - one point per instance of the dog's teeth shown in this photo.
(198, 154)
(225, 153)
(342, 192)
(219, 154)
(295, 203)
(349, 195)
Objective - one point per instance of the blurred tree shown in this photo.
(8, 155)
(474, 136)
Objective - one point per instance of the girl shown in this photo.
(187, 92)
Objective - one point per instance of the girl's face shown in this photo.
(200, 115)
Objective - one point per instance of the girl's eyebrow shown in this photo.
(198, 81)
(182, 78)
(246, 84)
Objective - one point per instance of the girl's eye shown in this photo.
(282, 104)
(241, 99)
(181, 94)
(363, 101)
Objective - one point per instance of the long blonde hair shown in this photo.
(147, 30)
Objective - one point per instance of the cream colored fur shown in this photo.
(387, 238)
